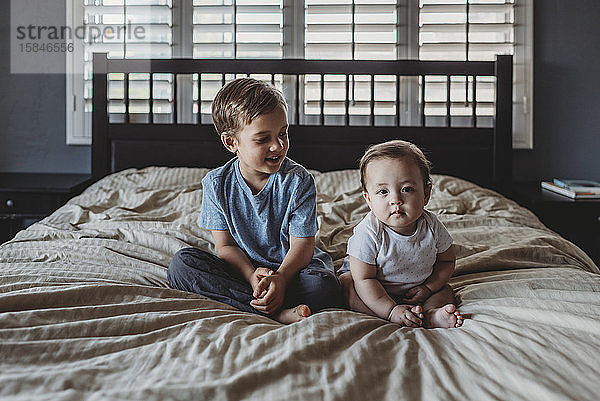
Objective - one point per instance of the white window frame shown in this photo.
(77, 124)
(523, 72)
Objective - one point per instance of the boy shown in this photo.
(261, 210)
(400, 255)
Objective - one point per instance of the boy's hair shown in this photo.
(241, 101)
(396, 149)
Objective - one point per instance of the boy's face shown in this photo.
(262, 145)
(395, 193)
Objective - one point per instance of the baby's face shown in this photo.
(395, 193)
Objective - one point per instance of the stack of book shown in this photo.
(576, 189)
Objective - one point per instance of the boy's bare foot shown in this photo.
(447, 316)
(292, 315)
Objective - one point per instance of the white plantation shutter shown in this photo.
(311, 29)
(234, 29)
(238, 28)
(476, 30)
(473, 30)
(131, 29)
(350, 30)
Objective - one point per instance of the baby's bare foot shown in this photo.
(292, 315)
(447, 316)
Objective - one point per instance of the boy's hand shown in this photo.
(418, 294)
(257, 276)
(406, 315)
(269, 294)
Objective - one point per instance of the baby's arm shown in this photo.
(442, 270)
(298, 257)
(369, 289)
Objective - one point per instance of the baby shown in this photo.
(400, 256)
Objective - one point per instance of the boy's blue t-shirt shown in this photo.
(262, 223)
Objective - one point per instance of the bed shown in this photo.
(86, 311)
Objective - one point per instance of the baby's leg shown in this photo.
(351, 298)
(355, 303)
(440, 309)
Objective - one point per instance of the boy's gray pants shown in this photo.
(197, 271)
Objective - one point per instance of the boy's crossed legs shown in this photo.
(439, 310)
(197, 271)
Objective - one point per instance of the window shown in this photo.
(350, 30)
(240, 28)
(312, 29)
(121, 28)
(477, 30)
(233, 29)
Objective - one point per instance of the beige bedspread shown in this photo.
(86, 312)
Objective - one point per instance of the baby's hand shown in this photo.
(407, 315)
(418, 294)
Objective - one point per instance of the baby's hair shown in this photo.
(241, 101)
(396, 149)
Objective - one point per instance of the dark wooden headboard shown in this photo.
(476, 153)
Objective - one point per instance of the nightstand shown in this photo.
(27, 197)
(576, 220)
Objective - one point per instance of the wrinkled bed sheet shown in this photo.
(86, 312)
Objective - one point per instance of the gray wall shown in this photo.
(566, 108)
(32, 114)
(566, 92)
